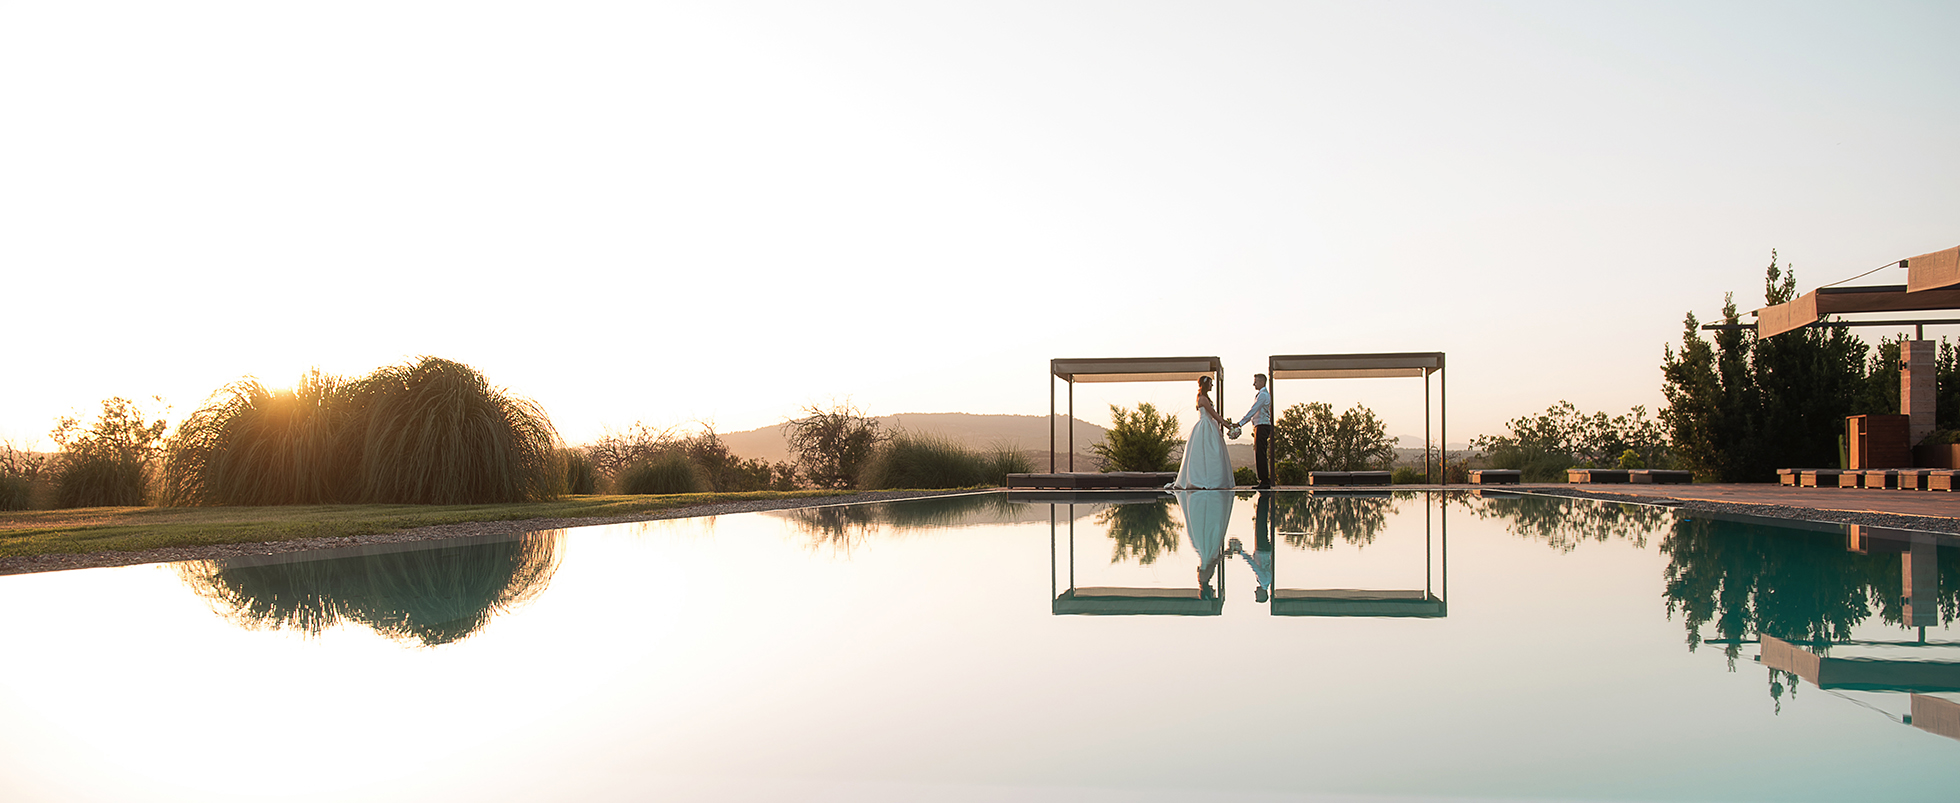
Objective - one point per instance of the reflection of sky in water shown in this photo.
(909, 651)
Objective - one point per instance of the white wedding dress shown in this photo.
(1206, 465)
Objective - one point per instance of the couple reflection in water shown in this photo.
(1207, 516)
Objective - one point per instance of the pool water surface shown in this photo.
(1206, 646)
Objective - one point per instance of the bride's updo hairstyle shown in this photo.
(1204, 383)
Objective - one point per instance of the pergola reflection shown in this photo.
(1206, 516)
(1137, 520)
(1428, 602)
(1918, 668)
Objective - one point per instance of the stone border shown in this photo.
(1896, 521)
(31, 564)
(55, 563)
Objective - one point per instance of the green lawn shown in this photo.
(127, 529)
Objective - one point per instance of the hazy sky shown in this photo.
(725, 210)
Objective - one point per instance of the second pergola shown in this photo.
(1419, 364)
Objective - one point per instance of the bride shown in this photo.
(1205, 463)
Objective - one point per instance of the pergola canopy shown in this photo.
(1933, 271)
(1135, 369)
(1120, 369)
(1354, 366)
(1932, 283)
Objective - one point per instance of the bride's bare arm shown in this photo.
(1204, 403)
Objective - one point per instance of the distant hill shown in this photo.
(1026, 433)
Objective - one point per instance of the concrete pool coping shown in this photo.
(1930, 511)
(31, 564)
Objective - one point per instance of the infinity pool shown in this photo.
(1208, 646)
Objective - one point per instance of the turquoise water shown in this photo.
(984, 648)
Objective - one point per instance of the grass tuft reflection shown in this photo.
(428, 597)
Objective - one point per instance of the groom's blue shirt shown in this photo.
(1261, 413)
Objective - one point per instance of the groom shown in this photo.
(1261, 416)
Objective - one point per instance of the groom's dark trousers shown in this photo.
(1262, 439)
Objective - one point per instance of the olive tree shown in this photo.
(832, 445)
(1141, 440)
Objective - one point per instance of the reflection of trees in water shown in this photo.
(1314, 521)
(1564, 524)
(1800, 586)
(428, 596)
(844, 527)
(1140, 530)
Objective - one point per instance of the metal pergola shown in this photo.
(1372, 366)
(1123, 369)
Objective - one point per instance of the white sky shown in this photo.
(724, 210)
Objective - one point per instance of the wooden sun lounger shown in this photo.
(1496, 476)
(1597, 475)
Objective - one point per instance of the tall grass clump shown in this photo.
(912, 460)
(429, 432)
(250, 445)
(20, 471)
(429, 597)
(581, 474)
(438, 433)
(664, 473)
(108, 463)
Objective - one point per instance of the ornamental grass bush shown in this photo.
(912, 460)
(429, 432)
(666, 473)
(437, 433)
(251, 445)
(581, 474)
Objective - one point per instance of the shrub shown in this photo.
(669, 473)
(252, 446)
(1140, 441)
(581, 476)
(1005, 460)
(437, 433)
(1245, 475)
(20, 470)
(930, 461)
(1289, 472)
(1535, 464)
(108, 463)
(1409, 475)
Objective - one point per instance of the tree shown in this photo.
(1140, 441)
(1545, 445)
(1741, 407)
(832, 445)
(1311, 437)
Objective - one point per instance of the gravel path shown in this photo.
(55, 563)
